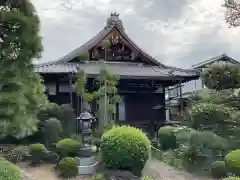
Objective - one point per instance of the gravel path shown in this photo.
(161, 171)
(154, 168)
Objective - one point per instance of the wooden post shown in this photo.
(181, 100)
(57, 88)
(70, 75)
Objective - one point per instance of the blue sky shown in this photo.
(179, 33)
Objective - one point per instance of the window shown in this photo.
(121, 110)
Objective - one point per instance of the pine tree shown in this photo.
(21, 89)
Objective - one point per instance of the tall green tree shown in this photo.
(214, 109)
(80, 83)
(232, 14)
(106, 96)
(21, 89)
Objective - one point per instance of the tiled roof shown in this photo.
(63, 65)
(122, 69)
(117, 23)
(214, 59)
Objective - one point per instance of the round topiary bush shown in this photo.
(8, 171)
(37, 152)
(67, 147)
(218, 169)
(68, 167)
(232, 160)
(167, 138)
(126, 148)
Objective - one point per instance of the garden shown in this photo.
(40, 137)
(207, 141)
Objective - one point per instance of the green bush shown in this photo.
(52, 130)
(232, 160)
(147, 178)
(37, 152)
(50, 110)
(66, 115)
(98, 176)
(125, 147)
(232, 178)
(218, 169)
(167, 138)
(68, 167)
(67, 147)
(8, 171)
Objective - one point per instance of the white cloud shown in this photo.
(196, 33)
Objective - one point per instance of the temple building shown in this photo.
(143, 79)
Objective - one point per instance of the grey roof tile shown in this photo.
(122, 69)
(215, 59)
(64, 66)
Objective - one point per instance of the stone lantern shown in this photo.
(86, 159)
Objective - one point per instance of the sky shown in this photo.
(179, 33)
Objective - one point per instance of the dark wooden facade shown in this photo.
(142, 83)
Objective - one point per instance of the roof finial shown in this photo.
(114, 20)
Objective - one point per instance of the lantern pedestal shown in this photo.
(87, 163)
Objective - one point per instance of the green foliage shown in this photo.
(47, 111)
(125, 147)
(106, 97)
(15, 154)
(19, 153)
(52, 131)
(20, 43)
(166, 137)
(209, 116)
(232, 178)
(221, 77)
(98, 176)
(8, 171)
(218, 169)
(227, 97)
(208, 140)
(67, 147)
(80, 83)
(147, 178)
(66, 115)
(37, 152)
(68, 167)
(232, 160)
(83, 57)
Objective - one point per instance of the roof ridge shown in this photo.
(210, 59)
(100, 36)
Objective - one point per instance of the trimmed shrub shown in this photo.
(8, 171)
(218, 169)
(232, 178)
(68, 167)
(98, 176)
(126, 148)
(67, 147)
(37, 152)
(147, 178)
(167, 138)
(52, 130)
(66, 115)
(232, 160)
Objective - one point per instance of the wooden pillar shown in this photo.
(57, 89)
(70, 75)
(181, 100)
